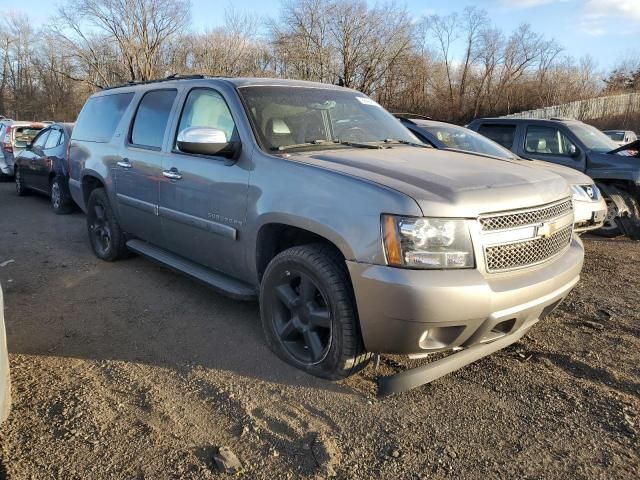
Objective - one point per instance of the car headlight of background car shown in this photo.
(585, 192)
(420, 242)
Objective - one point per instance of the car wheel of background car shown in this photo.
(309, 314)
(107, 239)
(60, 200)
(21, 189)
(630, 223)
(610, 227)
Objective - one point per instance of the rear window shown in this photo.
(100, 116)
(502, 134)
(24, 135)
(616, 136)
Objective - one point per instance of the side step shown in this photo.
(218, 281)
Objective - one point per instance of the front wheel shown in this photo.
(107, 239)
(308, 312)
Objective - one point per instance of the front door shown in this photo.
(139, 169)
(550, 144)
(29, 159)
(203, 198)
(53, 152)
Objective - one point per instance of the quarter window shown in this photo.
(499, 133)
(152, 118)
(547, 140)
(100, 116)
(207, 108)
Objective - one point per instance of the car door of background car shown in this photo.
(202, 212)
(30, 157)
(550, 144)
(138, 172)
(51, 154)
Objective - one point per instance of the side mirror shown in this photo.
(207, 141)
(573, 151)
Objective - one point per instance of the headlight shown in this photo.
(427, 242)
(585, 192)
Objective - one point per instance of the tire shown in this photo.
(21, 188)
(60, 198)
(610, 228)
(309, 314)
(105, 235)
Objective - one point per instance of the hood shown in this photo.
(444, 183)
(635, 146)
(571, 175)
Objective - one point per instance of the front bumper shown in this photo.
(589, 215)
(423, 311)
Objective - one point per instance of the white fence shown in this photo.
(593, 108)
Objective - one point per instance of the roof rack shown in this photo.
(169, 78)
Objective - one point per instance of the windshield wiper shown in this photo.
(312, 143)
(406, 142)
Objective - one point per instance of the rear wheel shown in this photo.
(107, 239)
(21, 188)
(59, 195)
(309, 314)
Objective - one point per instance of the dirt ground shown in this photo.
(130, 371)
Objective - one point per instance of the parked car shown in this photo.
(356, 238)
(42, 166)
(621, 137)
(5, 381)
(14, 137)
(590, 207)
(577, 145)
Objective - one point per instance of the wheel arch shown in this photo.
(277, 235)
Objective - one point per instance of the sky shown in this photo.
(607, 30)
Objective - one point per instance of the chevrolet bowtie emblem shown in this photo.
(547, 229)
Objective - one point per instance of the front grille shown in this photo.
(525, 217)
(527, 252)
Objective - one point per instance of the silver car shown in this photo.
(14, 138)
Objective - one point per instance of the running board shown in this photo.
(403, 381)
(218, 281)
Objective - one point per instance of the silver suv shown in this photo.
(356, 238)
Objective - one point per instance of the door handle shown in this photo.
(173, 174)
(124, 163)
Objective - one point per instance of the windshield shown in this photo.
(24, 135)
(461, 138)
(593, 138)
(307, 118)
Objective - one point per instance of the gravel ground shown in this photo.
(128, 370)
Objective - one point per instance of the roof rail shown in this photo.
(409, 116)
(169, 78)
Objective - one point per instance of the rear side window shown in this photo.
(151, 118)
(499, 133)
(100, 116)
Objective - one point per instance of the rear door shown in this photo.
(138, 172)
(203, 198)
(551, 144)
